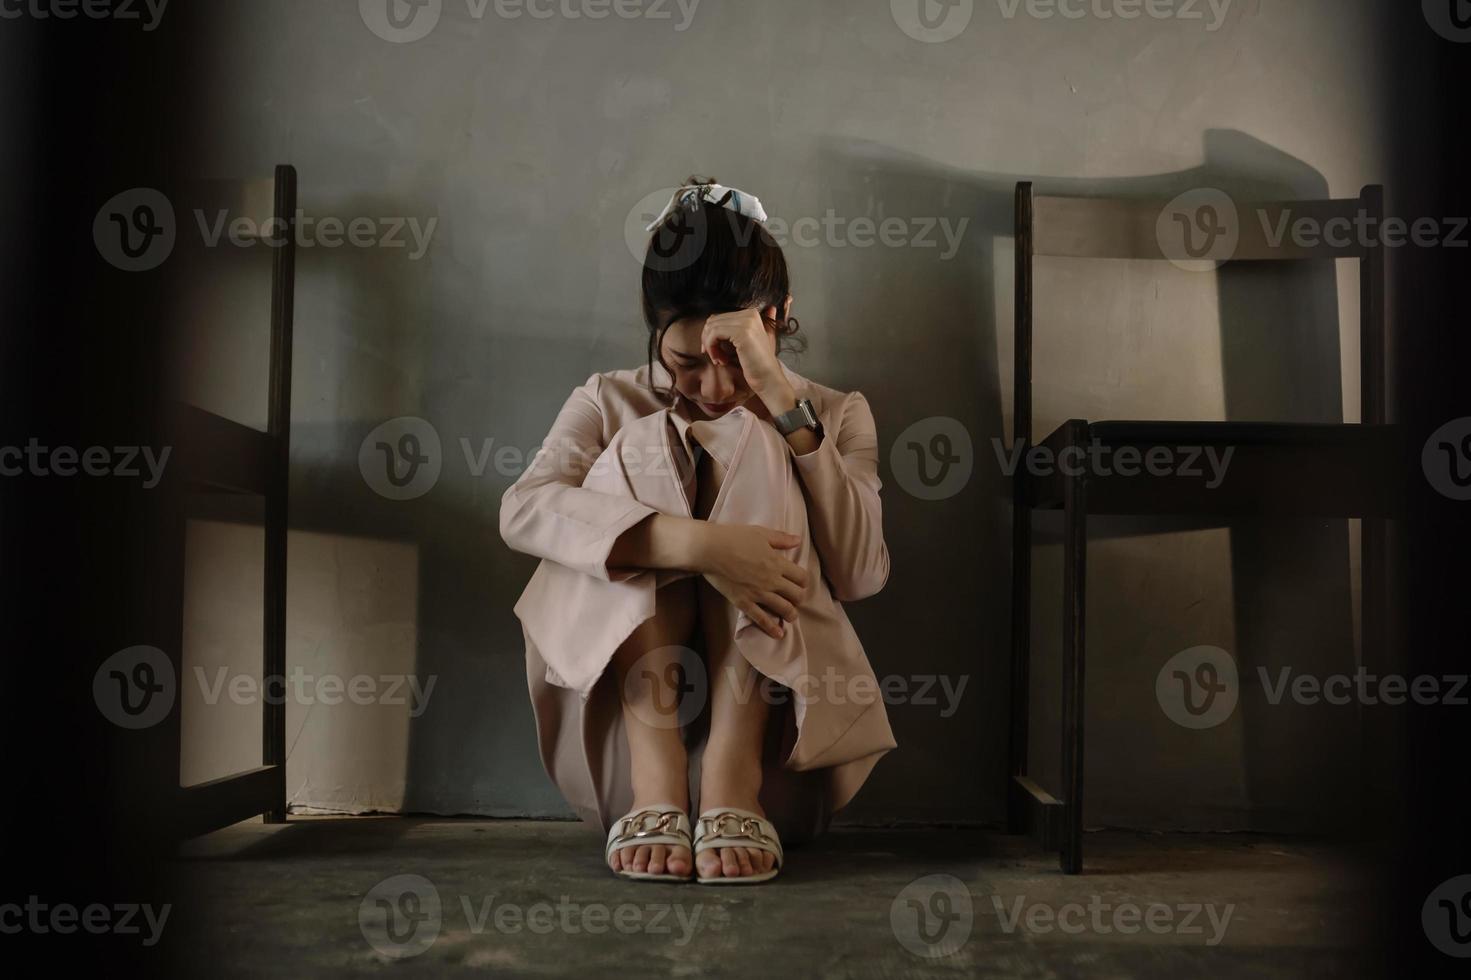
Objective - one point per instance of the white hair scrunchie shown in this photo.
(727, 197)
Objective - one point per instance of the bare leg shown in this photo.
(643, 668)
(730, 773)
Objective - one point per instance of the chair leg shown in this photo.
(1074, 573)
(1021, 657)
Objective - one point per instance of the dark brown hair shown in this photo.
(706, 259)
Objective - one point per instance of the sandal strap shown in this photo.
(733, 827)
(662, 823)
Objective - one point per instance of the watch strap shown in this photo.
(803, 416)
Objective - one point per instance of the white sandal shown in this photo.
(662, 823)
(729, 827)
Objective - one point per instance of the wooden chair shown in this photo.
(1332, 470)
(236, 467)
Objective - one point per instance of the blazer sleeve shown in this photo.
(548, 513)
(842, 484)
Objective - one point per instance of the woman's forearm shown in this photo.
(660, 541)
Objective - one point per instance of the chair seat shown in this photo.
(1225, 468)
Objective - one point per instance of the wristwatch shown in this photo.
(803, 415)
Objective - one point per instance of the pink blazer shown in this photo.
(575, 612)
(548, 513)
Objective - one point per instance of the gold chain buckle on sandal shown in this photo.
(746, 828)
(664, 823)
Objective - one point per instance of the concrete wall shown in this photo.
(536, 145)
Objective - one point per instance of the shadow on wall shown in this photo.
(1115, 339)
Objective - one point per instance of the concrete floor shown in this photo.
(313, 897)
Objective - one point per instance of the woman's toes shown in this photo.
(678, 861)
(743, 857)
(730, 864)
(709, 863)
(657, 854)
(641, 858)
(615, 860)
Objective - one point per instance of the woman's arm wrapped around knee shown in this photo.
(548, 513)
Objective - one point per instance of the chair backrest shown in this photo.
(1129, 228)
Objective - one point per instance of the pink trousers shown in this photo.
(827, 726)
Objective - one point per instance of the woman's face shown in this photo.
(713, 389)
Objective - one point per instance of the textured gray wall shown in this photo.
(532, 141)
